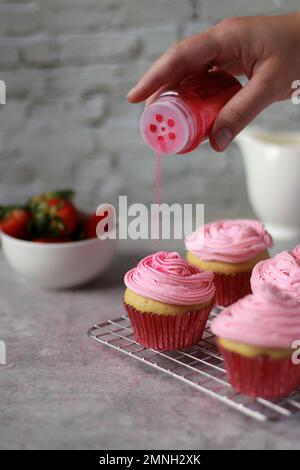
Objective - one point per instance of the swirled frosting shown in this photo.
(296, 253)
(168, 278)
(282, 271)
(229, 241)
(267, 318)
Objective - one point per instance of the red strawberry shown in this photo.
(15, 221)
(90, 225)
(64, 216)
(54, 215)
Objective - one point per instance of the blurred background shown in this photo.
(68, 65)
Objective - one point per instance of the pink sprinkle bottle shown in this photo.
(179, 120)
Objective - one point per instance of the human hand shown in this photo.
(263, 48)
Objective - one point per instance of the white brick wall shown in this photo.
(215, 9)
(19, 19)
(68, 65)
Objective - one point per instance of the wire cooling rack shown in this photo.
(201, 367)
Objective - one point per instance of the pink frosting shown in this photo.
(282, 271)
(230, 241)
(171, 279)
(268, 318)
(296, 252)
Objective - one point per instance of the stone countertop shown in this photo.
(60, 390)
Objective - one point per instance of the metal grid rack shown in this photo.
(200, 367)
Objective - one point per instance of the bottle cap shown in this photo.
(165, 126)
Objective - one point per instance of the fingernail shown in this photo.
(223, 138)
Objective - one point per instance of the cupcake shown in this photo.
(296, 253)
(255, 336)
(230, 249)
(282, 271)
(168, 301)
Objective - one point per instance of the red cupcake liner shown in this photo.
(231, 287)
(261, 376)
(168, 332)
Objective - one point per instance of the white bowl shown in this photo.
(58, 265)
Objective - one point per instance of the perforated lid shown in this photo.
(165, 127)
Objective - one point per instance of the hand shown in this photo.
(264, 48)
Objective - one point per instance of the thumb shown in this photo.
(240, 110)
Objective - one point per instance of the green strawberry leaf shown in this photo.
(2, 212)
(56, 227)
(62, 193)
(5, 210)
(39, 225)
(39, 202)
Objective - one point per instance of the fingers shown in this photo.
(155, 95)
(233, 68)
(185, 58)
(242, 109)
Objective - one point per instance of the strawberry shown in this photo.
(90, 225)
(35, 201)
(14, 221)
(64, 216)
(54, 214)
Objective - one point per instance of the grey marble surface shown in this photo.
(60, 390)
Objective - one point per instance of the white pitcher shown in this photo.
(272, 164)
